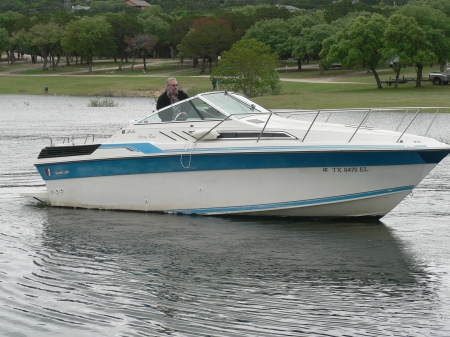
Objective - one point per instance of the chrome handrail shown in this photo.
(89, 135)
(367, 115)
(407, 127)
(310, 126)
(434, 118)
(64, 138)
(71, 139)
(262, 131)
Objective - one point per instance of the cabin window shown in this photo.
(253, 134)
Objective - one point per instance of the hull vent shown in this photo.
(67, 151)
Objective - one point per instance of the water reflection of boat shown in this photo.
(224, 154)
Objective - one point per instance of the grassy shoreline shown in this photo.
(305, 89)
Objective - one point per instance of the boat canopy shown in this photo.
(216, 105)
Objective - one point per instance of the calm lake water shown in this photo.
(66, 272)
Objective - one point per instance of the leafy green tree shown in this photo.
(35, 7)
(239, 22)
(264, 12)
(360, 42)
(4, 40)
(88, 37)
(12, 22)
(442, 5)
(208, 38)
(407, 42)
(436, 26)
(337, 10)
(141, 43)
(275, 33)
(248, 67)
(124, 28)
(159, 28)
(300, 41)
(310, 42)
(179, 29)
(110, 6)
(46, 40)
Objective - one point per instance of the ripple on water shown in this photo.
(151, 274)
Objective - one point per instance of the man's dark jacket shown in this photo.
(164, 100)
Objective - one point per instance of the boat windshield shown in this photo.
(234, 104)
(209, 106)
(193, 109)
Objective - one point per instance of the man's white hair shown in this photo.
(170, 80)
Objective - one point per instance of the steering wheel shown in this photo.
(180, 117)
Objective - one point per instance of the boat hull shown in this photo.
(331, 191)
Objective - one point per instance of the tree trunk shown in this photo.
(377, 78)
(397, 76)
(11, 57)
(121, 63)
(121, 57)
(145, 57)
(419, 75)
(202, 71)
(52, 62)
(44, 66)
(132, 64)
(299, 63)
(55, 63)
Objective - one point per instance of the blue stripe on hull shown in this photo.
(236, 161)
(293, 204)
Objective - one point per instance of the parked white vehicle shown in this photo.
(440, 77)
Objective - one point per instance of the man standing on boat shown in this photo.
(170, 96)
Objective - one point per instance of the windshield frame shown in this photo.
(240, 99)
(219, 104)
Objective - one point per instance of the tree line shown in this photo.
(175, 7)
(417, 33)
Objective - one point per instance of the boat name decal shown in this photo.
(49, 172)
(149, 136)
(351, 169)
(61, 172)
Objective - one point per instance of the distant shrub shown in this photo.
(96, 103)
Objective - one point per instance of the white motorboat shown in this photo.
(224, 154)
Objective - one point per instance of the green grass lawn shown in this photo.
(353, 88)
(328, 96)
